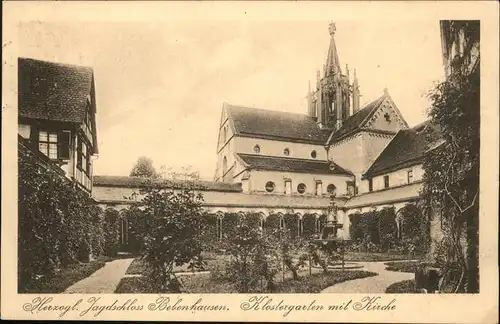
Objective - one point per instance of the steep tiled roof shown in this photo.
(272, 163)
(138, 182)
(406, 148)
(387, 196)
(276, 125)
(53, 91)
(356, 121)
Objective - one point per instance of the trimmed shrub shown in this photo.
(272, 222)
(308, 225)
(387, 229)
(415, 229)
(209, 238)
(138, 227)
(112, 222)
(291, 225)
(229, 223)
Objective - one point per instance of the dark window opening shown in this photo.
(410, 176)
(301, 188)
(350, 188)
(331, 189)
(386, 181)
(270, 186)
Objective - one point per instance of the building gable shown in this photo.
(386, 117)
(372, 117)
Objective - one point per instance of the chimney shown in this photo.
(355, 94)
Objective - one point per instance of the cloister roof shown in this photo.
(386, 196)
(139, 182)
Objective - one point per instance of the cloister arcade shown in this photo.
(302, 222)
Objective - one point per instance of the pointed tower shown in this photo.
(333, 93)
(355, 94)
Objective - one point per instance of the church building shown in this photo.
(272, 162)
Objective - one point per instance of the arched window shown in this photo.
(256, 149)
(300, 225)
(313, 154)
(270, 186)
(220, 217)
(286, 151)
(282, 221)
(399, 224)
(261, 223)
(301, 188)
(241, 217)
(224, 135)
(124, 230)
(224, 166)
(331, 189)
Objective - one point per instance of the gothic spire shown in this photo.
(355, 94)
(332, 59)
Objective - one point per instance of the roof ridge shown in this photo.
(264, 109)
(57, 63)
(373, 105)
(425, 122)
(376, 104)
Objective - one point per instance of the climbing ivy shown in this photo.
(59, 223)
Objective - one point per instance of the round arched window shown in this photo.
(301, 188)
(313, 154)
(256, 149)
(286, 151)
(270, 186)
(331, 189)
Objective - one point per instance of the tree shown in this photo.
(451, 181)
(144, 168)
(174, 236)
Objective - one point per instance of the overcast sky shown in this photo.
(160, 86)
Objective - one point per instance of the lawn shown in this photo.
(204, 283)
(373, 256)
(64, 278)
(402, 287)
(406, 266)
(213, 262)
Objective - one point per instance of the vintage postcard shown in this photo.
(250, 161)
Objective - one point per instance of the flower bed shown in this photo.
(402, 287)
(406, 266)
(373, 256)
(206, 284)
(402, 266)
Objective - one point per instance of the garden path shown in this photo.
(376, 284)
(104, 280)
